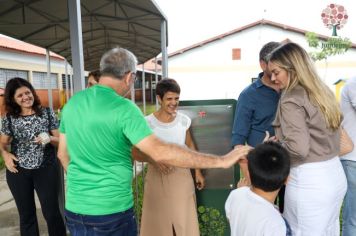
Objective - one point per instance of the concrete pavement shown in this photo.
(9, 219)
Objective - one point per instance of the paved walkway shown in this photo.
(9, 219)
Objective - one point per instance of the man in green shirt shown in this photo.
(98, 129)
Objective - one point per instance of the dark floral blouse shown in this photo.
(23, 130)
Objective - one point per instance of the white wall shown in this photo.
(28, 60)
(208, 72)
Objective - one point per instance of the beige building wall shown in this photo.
(30, 63)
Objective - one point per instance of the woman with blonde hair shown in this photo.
(307, 124)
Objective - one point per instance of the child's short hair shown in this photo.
(268, 165)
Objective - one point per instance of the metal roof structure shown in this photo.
(132, 24)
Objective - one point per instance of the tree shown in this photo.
(323, 49)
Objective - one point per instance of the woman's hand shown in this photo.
(9, 159)
(199, 179)
(163, 168)
(43, 138)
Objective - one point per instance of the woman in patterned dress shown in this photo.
(27, 135)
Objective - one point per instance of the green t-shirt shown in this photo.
(100, 128)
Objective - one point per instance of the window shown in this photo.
(64, 85)
(236, 54)
(40, 80)
(138, 82)
(6, 74)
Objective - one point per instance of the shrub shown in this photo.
(211, 221)
(138, 197)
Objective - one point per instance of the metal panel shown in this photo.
(211, 127)
(211, 130)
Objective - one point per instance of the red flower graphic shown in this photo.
(334, 16)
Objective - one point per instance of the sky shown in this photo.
(192, 21)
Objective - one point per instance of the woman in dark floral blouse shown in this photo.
(28, 134)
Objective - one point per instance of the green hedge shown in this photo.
(138, 198)
(211, 221)
(2, 164)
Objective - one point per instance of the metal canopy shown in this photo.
(132, 24)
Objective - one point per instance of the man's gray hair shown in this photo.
(117, 62)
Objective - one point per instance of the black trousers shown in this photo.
(45, 182)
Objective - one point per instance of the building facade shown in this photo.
(222, 66)
(19, 59)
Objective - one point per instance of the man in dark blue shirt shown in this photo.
(255, 110)
(256, 106)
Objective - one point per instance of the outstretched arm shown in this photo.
(183, 157)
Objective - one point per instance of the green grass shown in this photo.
(149, 108)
